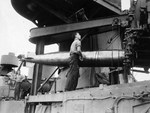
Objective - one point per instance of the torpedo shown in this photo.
(109, 58)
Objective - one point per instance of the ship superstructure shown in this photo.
(113, 42)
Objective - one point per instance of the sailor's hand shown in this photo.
(81, 58)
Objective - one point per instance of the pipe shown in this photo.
(109, 58)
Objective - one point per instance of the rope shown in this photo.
(48, 78)
(84, 37)
(20, 66)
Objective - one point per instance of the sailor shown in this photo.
(75, 56)
(18, 80)
(25, 87)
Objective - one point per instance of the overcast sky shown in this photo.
(14, 31)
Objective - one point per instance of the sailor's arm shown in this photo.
(79, 51)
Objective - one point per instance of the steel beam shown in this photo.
(37, 69)
(47, 33)
(109, 6)
(37, 74)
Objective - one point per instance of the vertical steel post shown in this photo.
(126, 73)
(37, 73)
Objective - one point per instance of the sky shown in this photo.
(14, 32)
(125, 4)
